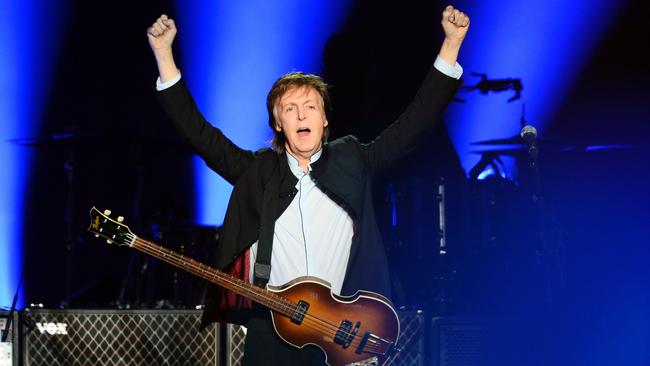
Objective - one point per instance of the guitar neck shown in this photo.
(241, 287)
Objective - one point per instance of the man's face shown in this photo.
(300, 115)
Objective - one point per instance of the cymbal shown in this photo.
(523, 149)
(520, 151)
(612, 147)
(100, 142)
(517, 140)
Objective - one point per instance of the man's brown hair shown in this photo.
(281, 86)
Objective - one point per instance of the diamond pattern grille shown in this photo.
(411, 339)
(112, 338)
(235, 346)
(159, 337)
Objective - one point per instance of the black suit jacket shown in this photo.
(344, 172)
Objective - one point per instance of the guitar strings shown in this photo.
(273, 301)
(281, 304)
(176, 258)
(208, 272)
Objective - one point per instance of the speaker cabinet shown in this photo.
(158, 337)
(463, 341)
(234, 344)
(411, 340)
(117, 337)
(9, 350)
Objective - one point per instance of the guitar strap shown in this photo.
(262, 268)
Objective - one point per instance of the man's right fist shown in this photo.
(161, 33)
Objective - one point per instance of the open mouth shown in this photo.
(303, 131)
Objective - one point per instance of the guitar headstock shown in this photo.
(113, 230)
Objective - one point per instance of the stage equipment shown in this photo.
(461, 341)
(117, 337)
(486, 85)
(108, 141)
(412, 340)
(421, 227)
(73, 147)
(9, 348)
(235, 336)
(158, 337)
(526, 139)
(516, 141)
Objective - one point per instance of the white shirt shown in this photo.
(312, 237)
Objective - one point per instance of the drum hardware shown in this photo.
(485, 85)
(71, 142)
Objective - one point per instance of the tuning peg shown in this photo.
(107, 212)
(120, 218)
(96, 235)
(109, 241)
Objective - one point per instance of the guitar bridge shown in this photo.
(301, 310)
(378, 345)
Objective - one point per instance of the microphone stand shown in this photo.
(542, 252)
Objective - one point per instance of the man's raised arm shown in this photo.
(161, 36)
(219, 153)
(437, 90)
(455, 24)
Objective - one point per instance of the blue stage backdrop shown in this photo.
(28, 54)
(232, 52)
(545, 43)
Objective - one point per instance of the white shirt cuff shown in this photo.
(167, 84)
(455, 71)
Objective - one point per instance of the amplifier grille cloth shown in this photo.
(114, 338)
(411, 340)
(235, 344)
(153, 337)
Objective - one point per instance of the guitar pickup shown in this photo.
(345, 334)
(301, 310)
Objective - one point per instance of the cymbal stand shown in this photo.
(445, 273)
(69, 235)
(135, 257)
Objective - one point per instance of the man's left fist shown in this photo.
(455, 23)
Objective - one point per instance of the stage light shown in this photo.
(27, 57)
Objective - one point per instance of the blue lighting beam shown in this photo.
(27, 56)
(544, 43)
(232, 53)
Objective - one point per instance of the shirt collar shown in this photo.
(295, 167)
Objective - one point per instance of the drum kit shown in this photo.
(469, 228)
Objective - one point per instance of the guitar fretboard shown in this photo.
(241, 287)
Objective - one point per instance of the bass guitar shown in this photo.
(358, 330)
